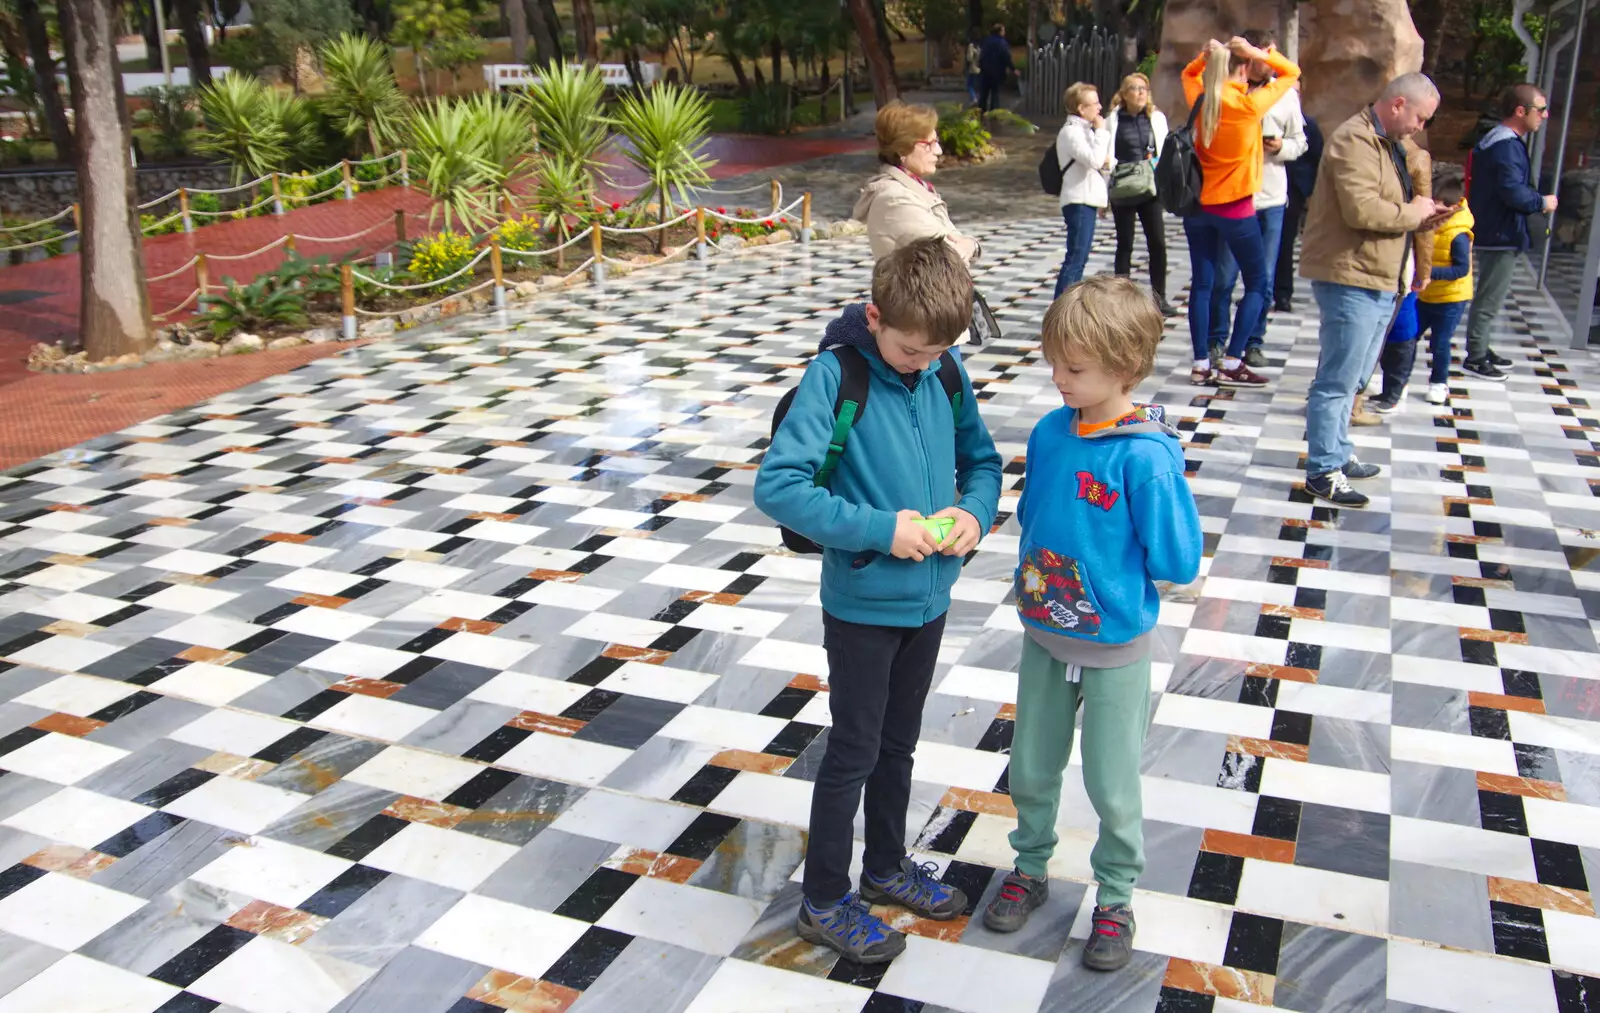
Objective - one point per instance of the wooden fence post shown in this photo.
(349, 191)
(77, 218)
(347, 296)
(183, 208)
(805, 217)
(701, 249)
(596, 245)
(277, 195)
(499, 271)
(405, 170)
(775, 191)
(399, 225)
(202, 278)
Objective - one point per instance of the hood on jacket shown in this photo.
(850, 328)
(1496, 134)
(1144, 420)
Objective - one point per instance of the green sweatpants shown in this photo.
(1116, 709)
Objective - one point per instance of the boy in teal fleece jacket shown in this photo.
(885, 580)
(1106, 511)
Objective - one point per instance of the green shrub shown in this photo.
(767, 110)
(242, 51)
(23, 237)
(170, 114)
(439, 256)
(303, 188)
(520, 234)
(207, 202)
(249, 307)
(962, 133)
(1004, 120)
(160, 225)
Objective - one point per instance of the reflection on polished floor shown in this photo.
(459, 674)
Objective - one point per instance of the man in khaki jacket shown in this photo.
(1355, 252)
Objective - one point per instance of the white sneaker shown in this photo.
(1438, 393)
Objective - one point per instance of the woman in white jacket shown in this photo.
(1138, 131)
(1084, 148)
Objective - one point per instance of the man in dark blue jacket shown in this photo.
(1502, 195)
(1302, 180)
(994, 66)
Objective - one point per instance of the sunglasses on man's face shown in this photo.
(1541, 110)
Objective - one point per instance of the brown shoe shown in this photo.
(1359, 416)
(1240, 376)
(1202, 377)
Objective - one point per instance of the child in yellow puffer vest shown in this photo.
(1444, 302)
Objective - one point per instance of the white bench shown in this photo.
(499, 76)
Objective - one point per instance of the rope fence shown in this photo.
(64, 212)
(191, 297)
(192, 261)
(41, 242)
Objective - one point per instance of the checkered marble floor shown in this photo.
(458, 673)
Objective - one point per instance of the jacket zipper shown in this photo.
(927, 472)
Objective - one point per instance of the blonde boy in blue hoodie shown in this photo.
(915, 452)
(1106, 511)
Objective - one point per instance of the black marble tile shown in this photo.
(595, 896)
(188, 1002)
(627, 722)
(483, 786)
(948, 839)
(588, 958)
(793, 740)
(137, 836)
(1253, 942)
(1519, 931)
(1216, 877)
(1502, 813)
(1557, 863)
(17, 877)
(343, 890)
(704, 786)
(286, 747)
(365, 839)
(202, 955)
(496, 744)
(173, 788)
(702, 836)
(1278, 818)
(1180, 1000)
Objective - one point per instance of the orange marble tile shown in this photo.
(1493, 636)
(484, 515)
(325, 601)
(976, 801)
(1299, 522)
(339, 460)
(68, 724)
(812, 682)
(240, 768)
(68, 559)
(686, 497)
(737, 466)
(1472, 539)
(560, 576)
(1310, 564)
(91, 863)
(1546, 898)
(1226, 842)
(192, 579)
(1450, 501)
(1269, 748)
(1283, 672)
(210, 655)
(426, 810)
(712, 597)
(533, 721)
(1213, 979)
(1483, 582)
(69, 628)
(56, 857)
(1291, 612)
(1501, 702)
(928, 928)
(636, 862)
(285, 536)
(674, 868)
(170, 522)
(522, 995)
(1527, 787)
(1007, 712)
(743, 759)
(381, 688)
(67, 508)
(459, 625)
(627, 652)
(286, 925)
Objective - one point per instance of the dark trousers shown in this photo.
(878, 678)
(1283, 277)
(989, 86)
(1396, 360)
(1208, 233)
(1149, 215)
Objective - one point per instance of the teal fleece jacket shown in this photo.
(905, 453)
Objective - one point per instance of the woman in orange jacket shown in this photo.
(1228, 143)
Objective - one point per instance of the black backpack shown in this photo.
(848, 406)
(1051, 171)
(1178, 176)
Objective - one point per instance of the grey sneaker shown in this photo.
(1110, 944)
(916, 888)
(1018, 897)
(1217, 354)
(1254, 357)
(1354, 469)
(851, 928)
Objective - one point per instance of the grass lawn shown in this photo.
(726, 113)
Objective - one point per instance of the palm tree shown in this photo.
(568, 108)
(451, 156)
(505, 131)
(584, 27)
(362, 96)
(194, 41)
(666, 129)
(114, 315)
(239, 127)
(36, 29)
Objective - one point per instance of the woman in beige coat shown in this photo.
(898, 204)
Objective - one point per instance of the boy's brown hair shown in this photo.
(1109, 320)
(924, 289)
(1448, 189)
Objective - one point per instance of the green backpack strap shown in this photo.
(849, 405)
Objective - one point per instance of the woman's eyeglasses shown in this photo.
(930, 145)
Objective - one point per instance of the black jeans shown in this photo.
(1283, 279)
(878, 678)
(1396, 361)
(989, 91)
(1155, 240)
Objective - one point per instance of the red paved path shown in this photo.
(41, 413)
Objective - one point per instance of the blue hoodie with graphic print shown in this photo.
(906, 452)
(1103, 516)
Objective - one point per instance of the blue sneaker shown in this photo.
(851, 928)
(915, 887)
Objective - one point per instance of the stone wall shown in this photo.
(1349, 49)
(32, 195)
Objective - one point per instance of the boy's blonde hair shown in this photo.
(1075, 94)
(924, 289)
(900, 126)
(1109, 320)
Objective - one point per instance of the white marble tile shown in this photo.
(1574, 941)
(209, 684)
(967, 978)
(638, 822)
(617, 629)
(1169, 925)
(449, 858)
(415, 772)
(268, 976)
(1334, 701)
(64, 654)
(788, 656)
(1235, 646)
(216, 632)
(1572, 734)
(64, 912)
(502, 935)
(1568, 822)
(1210, 715)
(1462, 982)
(272, 871)
(738, 986)
(725, 728)
(61, 759)
(374, 718)
(705, 920)
(237, 732)
(943, 764)
(1446, 749)
(979, 684)
(1316, 896)
(1198, 805)
(189, 598)
(80, 985)
(530, 692)
(362, 660)
(1467, 849)
(77, 694)
(564, 759)
(246, 806)
(658, 682)
(1336, 786)
(785, 800)
(75, 816)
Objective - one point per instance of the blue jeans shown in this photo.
(1080, 220)
(1354, 322)
(1439, 320)
(1271, 222)
(1207, 235)
(974, 86)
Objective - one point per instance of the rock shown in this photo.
(164, 352)
(781, 236)
(241, 344)
(321, 335)
(202, 350)
(847, 227)
(732, 242)
(528, 288)
(1348, 52)
(291, 341)
(377, 327)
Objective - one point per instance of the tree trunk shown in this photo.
(517, 25)
(552, 21)
(1289, 29)
(583, 25)
(194, 42)
(1429, 18)
(974, 13)
(880, 59)
(1033, 25)
(777, 60)
(149, 31)
(546, 49)
(44, 77)
(737, 65)
(114, 318)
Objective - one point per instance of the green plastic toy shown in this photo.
(938, 527)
